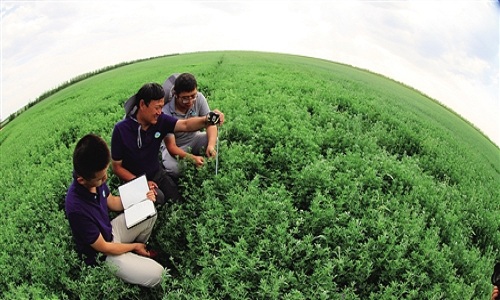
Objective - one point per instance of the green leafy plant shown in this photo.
(333, 183)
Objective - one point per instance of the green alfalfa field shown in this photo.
(333, 183)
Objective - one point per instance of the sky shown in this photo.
(448, 50)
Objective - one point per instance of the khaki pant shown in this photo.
(131, 267)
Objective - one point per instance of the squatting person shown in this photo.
(186, 102)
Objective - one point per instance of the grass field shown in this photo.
(333, 183)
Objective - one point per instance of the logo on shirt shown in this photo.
(103, 194)
(157, 134)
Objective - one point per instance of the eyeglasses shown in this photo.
(189, 98)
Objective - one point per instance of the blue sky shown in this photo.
(449, 50)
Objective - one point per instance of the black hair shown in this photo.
(91, 155)
(185, 82)
(149, 91)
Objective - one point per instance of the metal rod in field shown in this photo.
(217, 152)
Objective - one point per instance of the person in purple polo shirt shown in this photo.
(136, 140)
(88, 202)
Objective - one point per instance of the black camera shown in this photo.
(213, 118)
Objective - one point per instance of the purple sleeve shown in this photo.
(84, 229)
(116, 145)
(169, 123)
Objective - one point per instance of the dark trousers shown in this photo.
(167, 191)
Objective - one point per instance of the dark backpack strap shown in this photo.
(130, 107)
(168, 86)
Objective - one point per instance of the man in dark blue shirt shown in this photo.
(87, 206)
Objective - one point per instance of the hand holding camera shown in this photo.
(213, 118)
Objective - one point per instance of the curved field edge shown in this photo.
(333, 182)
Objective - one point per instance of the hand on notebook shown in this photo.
(136, 207)
(151, 195)
(152, 186)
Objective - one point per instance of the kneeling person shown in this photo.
(88, 202)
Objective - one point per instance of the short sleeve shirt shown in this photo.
(199, 109)
(88, 217)
(140, 155)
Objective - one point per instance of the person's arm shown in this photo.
(212, 133)
(120, 171)
(191, 124)
(494, 293)
(197, 123)
(174, 150)
(212, 139)
(115, 203)
(110, 248)
(211, 130)
(172, 147)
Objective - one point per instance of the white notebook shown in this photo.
(137, 207)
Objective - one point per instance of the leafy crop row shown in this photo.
(333, 183)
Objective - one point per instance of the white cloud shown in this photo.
(446, 49)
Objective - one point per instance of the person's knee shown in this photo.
(155, 276)
(171, 167)
(168, 186)
(200, 143)
(136, 269)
